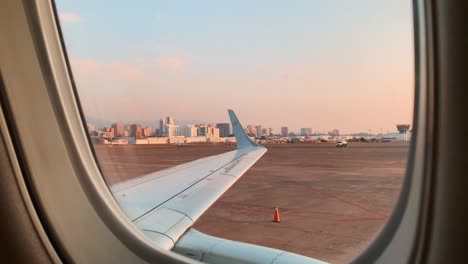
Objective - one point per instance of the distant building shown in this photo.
(111, 132)
(167, 126)
(170, 120)
(157, 140)
(186, 131)
(162, 123)
(130, 140)
(169, 130)
(105, 134)
(166, 121)
(213, 132)
(259, 129)
(118, 130)
(403, 131)
(147, 131)
(177, 140)
(251, 129)
(224, 129)
(265, 132)
(195, 139)
(136, 131)
(306, 131)
(208, 131)
(201, 130)
(284, 131)
(140, 141)
(157, 132)
(270, 131)
(90, 127)
(335, 132)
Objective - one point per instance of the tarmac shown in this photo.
(332, 201)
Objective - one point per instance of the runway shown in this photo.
(332, 201)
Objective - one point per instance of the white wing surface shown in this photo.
(165, 204)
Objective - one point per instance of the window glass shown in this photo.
(325, 86)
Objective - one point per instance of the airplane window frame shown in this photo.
(406, 224)
(56, 80)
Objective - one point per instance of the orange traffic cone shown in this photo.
(276, 217)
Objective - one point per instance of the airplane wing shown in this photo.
(165, 204)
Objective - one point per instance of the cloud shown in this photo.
(116, 69)
(175, 63)
(69, 17)
(122, 70)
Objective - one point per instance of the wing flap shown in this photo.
(166, 222)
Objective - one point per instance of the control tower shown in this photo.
(403, 132)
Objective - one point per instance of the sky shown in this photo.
(298, 63)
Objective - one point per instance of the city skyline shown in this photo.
(254, 129)
(314, 67)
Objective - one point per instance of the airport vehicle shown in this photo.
(341, 144)
(119, 141)
(57, 208)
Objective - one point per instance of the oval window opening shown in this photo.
(310, 160)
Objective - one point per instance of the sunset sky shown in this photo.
(298, 63)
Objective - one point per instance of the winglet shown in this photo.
(243, 140)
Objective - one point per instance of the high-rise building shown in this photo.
(201, 130)
(111, 132)
(186, 131)
(162, 123)
(118, 129)
(209, 131)
(167, 126)
(169, 120)
(157, 132)
(212, 132)
(147, 131)
(270, 131)
(224, 129)
(306, 131)
(284, 131)
(136, 131)
(251, 129)
(169, 130)
(127, 128)
(259, 130)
